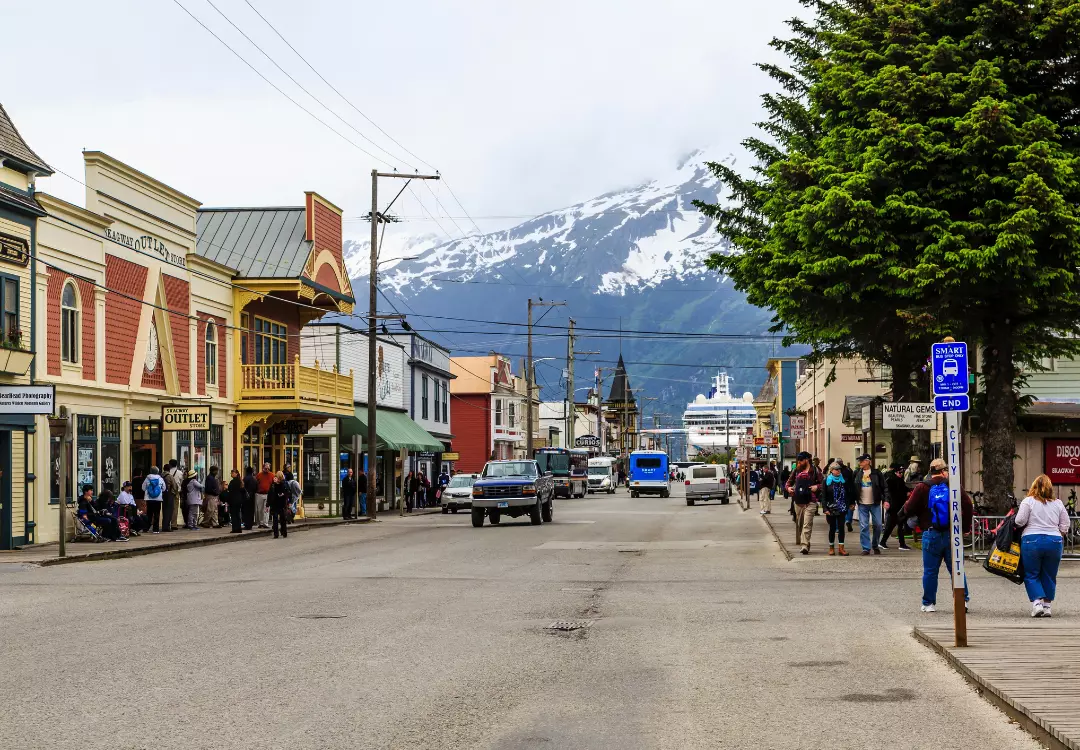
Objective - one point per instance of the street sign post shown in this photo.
(950, 383)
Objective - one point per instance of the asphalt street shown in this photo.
(424, 632)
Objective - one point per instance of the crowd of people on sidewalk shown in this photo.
(905, 501)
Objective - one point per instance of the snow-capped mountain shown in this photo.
(631, 258)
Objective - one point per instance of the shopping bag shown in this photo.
(1005, 563)
(1006, 533)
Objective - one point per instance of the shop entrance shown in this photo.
(145, 452)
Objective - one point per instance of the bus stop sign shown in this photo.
(949, 363)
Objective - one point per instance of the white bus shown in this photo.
(602, 475)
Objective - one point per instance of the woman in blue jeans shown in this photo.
(1043, 519)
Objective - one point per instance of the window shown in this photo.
(271, 347)
(10, 311)
(110, 453)
(510, 414)
(424, 397)
(498, 412)
(438, 395)
(445, 403)
(211, 353)
(86, 451)
(69, 323)
(245, 326)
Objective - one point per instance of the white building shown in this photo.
(427, 399)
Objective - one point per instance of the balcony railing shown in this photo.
(308, 387)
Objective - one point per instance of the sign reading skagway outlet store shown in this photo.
(144, 243)
(179, 418)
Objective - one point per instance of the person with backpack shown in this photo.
(929, 503)
(765, 493)
(1043, 519)
(835, 501)
(153, 488)
(295, 493)
(805, 486)
(870, 494)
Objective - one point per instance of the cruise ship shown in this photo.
(717, 421)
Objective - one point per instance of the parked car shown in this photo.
(458, 494)
(513, 488)
(707, 482)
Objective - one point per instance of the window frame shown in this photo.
(510, 414)
(5, 326)
(210, 353)
(275, 341)
(423, 397)
(69, 334)
(498, 412)
(445, 403)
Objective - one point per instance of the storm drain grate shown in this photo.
(567, 626)
(319, 617)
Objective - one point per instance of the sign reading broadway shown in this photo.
(179, 418)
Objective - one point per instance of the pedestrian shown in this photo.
(871, 494)
(348, 495)
(236, 497)
(425, 491)
(295, 493)
(1044, 519)
(896, 493)
(193, 495)
(929, 502)
(251, 488)
(126, 508)
(362, 491)
(914, 473)
(287, 471)
(835, 501)
(805, 487)
(413, 483)
(765, 492)
(849, 477)
(170, 497)
(153, 488)
(265, 480)
(211, 495)
(278, 499)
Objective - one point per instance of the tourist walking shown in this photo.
(871, 494)
(251, 488)
(896, 493)
(236, 497)
(835, 502)
(264, 480)
(768, 487)
(211, 495)
(193, 494)
(929, 502)
(153, 488)
(1043, 519)
(348, 495)
(278, 499)
(805, 488)
(362, 491)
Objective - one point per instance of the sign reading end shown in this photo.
(952, 403)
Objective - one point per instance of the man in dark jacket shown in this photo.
(869, 486)
(251, 486)
(236, 500)
(348, 495)
(768, 487)
(896, 493)
(936, 539)
(805, 485)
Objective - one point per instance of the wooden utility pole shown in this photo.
(570, 385)
(373, 315)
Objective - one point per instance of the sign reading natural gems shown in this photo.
(179, 418)
(905, 416)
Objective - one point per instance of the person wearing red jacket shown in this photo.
(936, 539)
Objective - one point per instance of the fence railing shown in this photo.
(297, 382)
(982, 537)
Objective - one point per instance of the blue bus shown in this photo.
(570, 469)
(649, 474)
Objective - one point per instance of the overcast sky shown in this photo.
(524, 107)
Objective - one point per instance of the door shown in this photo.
(5, 490)
(143, 456)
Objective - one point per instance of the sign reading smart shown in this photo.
(950, 368)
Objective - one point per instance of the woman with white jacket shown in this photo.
(1043, 519)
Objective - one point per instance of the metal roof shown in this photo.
(14, 147)
(259, 243)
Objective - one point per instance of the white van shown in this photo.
(707, 482)
(602, 475)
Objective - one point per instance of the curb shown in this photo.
(121, 552)
(776, 536)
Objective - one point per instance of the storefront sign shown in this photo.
(451, 456)
(906, 416)
(797, 426)
(27, 399)
(147, 244)
(179, 418)
(14, 250)
(586, 441)
(1061, 460)
(290, 427)
(767, 436)
(429, 353)
(851, 437)
(424, 456)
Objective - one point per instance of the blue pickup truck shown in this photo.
(513, 488)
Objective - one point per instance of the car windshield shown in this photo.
(461, 481)
(510, 469)
(599, 471)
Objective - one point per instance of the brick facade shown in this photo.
(324, 232)
(122, 316)
(472, 430)
(88, 317)
(178, 298)
(327, 278)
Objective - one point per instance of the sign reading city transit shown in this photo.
(180, 418)
(586, 441)
(797, 426)
(905, 416)
(1061, 461)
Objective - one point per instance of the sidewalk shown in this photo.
(1030, 672)
(146, 544)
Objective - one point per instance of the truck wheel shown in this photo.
(724, 500)
(548, 511)
(665, 493)
(495, 517)
(611, 491)
(690, 502)
(477, 517)
(534, 514)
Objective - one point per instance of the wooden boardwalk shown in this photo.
(1000, 661)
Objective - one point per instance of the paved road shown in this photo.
(433, 634)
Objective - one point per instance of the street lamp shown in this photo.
(530, 383)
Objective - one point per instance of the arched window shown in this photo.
(211, 353)
(69, 323)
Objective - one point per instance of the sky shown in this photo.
(522, 107)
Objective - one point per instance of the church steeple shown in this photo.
(620, 392)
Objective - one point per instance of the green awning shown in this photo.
(396, 431)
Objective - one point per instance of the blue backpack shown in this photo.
(153, 488)
(938, 503)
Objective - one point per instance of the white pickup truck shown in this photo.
(707, 482)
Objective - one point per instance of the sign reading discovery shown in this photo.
(179, 418)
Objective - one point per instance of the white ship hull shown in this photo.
(717, 422)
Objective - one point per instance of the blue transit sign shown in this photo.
(950, 368)
(952, 403)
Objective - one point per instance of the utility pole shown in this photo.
(530, 374)
(373, 315)
(570, 385)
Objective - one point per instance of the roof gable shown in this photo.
(13, 147)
